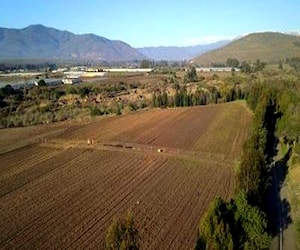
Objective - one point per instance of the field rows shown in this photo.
(217, 129)
(78, 198)
(56, 191)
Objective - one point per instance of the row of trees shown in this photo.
(253, 173)
(39, 66)
(248, 68)
(241, 223)
(202, 96)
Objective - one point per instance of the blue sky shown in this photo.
(157, 22)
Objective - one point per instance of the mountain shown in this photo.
(266, 46)
(40, 42)
(173, 53)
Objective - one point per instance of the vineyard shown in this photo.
(61, 185)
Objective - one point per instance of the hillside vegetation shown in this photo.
(268, 47)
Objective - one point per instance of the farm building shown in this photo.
(71, 80)
(216, 69)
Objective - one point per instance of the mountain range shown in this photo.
(40, 42)
(174, 53)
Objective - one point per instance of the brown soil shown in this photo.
(58, 191)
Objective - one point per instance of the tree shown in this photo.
(289, 124)
(250, 178)
(294, 62)
(214, 95)
(122, 234)
(145, 64)
(42, 83)
(232, 62)
(239, 94)
(118, 109)
(214, 230)
(84, 91)
(154, 98)
(252, 223)
(258, 66)
(245, 67)
(164, 99)
(191, 75)
(233, 225)
(7, 90)
(280, 65)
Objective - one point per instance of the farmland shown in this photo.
(62, 184)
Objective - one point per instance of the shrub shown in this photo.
(233, 225)
(94, 111)
(122, 234)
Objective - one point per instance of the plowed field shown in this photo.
(59, 191)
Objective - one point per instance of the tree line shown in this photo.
(242, 222)
(202, 96)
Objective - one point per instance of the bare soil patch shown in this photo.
(59, 191)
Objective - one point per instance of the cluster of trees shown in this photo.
(248, 68)
(232, 62)
(44, 104)
(5, 67)
(24, 107)
(233, 225)
(202, 96)
(161, 66)
(288, 127)
(145, 64)
(294, 62)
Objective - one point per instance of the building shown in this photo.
(71, 80)
(216, 69)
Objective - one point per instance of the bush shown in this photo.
(122, 234)
(233, 225)
(191, 75)
(94, 111)
(214, 230)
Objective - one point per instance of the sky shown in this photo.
(156, 22)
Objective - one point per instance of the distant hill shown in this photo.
(266, 46)
(38, 41)
(173, 53)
